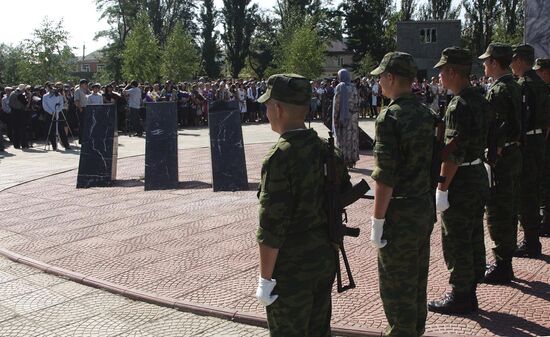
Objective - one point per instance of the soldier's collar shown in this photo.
(402, 97)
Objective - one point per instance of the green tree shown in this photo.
(439, 10)
(367, 24)
(121, 15)
(481, 17)
(408, 8)
(303, 53)
(509, 24)
(239, 24)
(210, 49)
(11, 64)
(141, 52)
(263, 45)
(46, 56)
(366, 65)
(180, 59)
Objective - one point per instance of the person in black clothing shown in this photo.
(19, 104)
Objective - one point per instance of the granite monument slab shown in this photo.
(161, 146)
(227, 147)
(99, 151)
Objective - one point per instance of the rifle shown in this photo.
(337, 217)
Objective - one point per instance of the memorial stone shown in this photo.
(99, 151)
(227, 147)
(161, 146)
(537, 26)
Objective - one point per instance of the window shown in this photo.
(428, 35)
(100, 67)
(340, 61)
(85, 68)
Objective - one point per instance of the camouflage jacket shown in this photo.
(504, 98)
(536, 101)
(466, 119)
(404, 147)
(293, 189)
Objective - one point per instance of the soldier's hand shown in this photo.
(377, 229)
(441, 200)
(263, 292)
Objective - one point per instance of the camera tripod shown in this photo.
(55, 119)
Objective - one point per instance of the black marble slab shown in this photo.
(161, 146)
(99, 150)
(227, 147)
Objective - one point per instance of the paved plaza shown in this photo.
(194, 250)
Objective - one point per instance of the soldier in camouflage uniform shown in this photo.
(542, 67)
(462, 196)
(297, 259)
(504, 98)
(535, 121)
(404, 211)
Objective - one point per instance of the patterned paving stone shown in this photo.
(16, 288)
(69, 289)
(61, 315)
(34, 301)
(195, 245)
(19, 326)
(100, 326)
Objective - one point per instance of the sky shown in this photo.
(81, 27)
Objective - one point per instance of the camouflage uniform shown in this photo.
(504, 98)
(535, 115)
(545, 186)
(403, 154)
(462, 224)
(293, 219)
(466, 122)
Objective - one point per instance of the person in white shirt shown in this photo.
(95, 98)
(241, 98)
(52, 103)
(133, 92)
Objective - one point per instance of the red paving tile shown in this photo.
(193, 245)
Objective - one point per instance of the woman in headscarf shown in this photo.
(345, 118)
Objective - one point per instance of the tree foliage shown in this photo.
(180, 57)
(408, 8)
(239, 24)
(263, 45)
(141, 53)
(367, 24)
(439, 10)
(210, 49)
(303, 52)
(481, 17)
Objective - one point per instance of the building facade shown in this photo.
(337, 57)
(425, 40)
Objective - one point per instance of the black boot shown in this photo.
(545, 224)
(473, 298)
(454, 303)
(500, 272)
(530, 247)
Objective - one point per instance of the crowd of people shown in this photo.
(31, 119)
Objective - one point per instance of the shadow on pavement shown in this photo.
(193, 184)
(128, 183)
(515, 326)
(533, 288)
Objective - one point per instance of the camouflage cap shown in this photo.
(524, 50)
(397, 63)
(455, 55)
(500, 51)
(287, 88)
(542, 64)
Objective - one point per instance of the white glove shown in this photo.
(441, 200)
(263, 292)
(376, 233)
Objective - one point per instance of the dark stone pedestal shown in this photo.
(99, 151)
(161, 146)
(227, 147)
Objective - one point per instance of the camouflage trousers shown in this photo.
(502, 207)
(403, 264)
(462, 228)
(304, 286)
(531, 178)
(545, 186)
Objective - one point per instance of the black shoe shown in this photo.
(545, 225)
(454, 304)
(529, 249)
(500, 272)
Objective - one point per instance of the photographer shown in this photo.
(52, 102)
